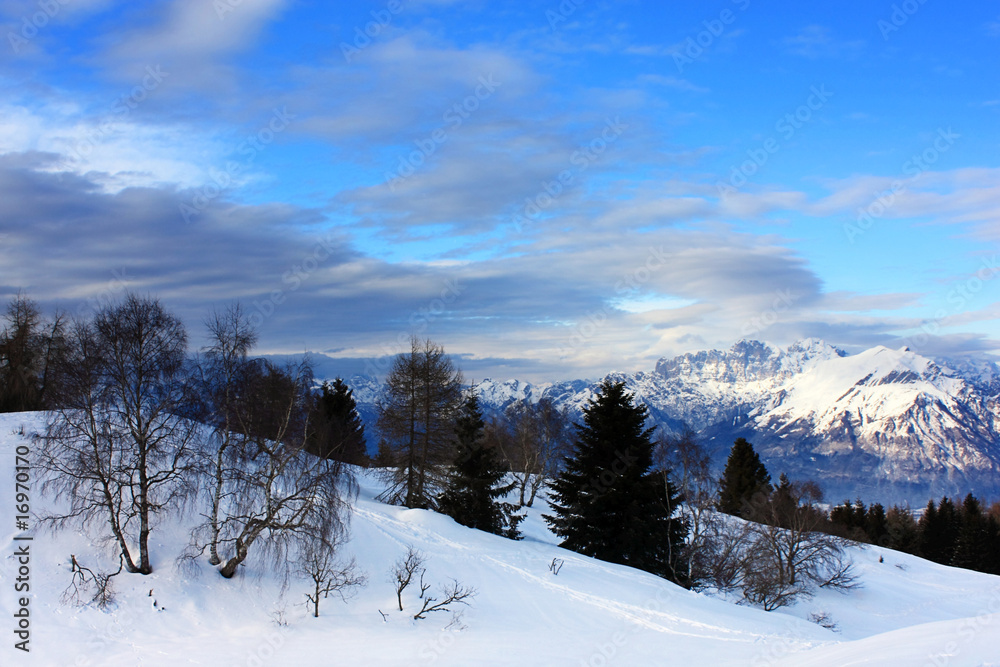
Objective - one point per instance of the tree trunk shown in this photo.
(535, 485)
(213, 546)
(144, 566)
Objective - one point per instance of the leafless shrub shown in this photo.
(318, 563)
(778, 557)
(823, 619)
(404, 570)
(454, 593)
(85, 583)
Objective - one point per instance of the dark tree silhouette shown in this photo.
(476, 484)
(340, 433)
(745, 481)
(31, 350)
(608, 502)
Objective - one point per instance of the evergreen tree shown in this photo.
(992, 564)
(877, 525)
(973, 541)
(902, 531)
(475, 484)
(939, 527)
(607, 502)
(784, 505)
(745, 481)
(340, 433)
(930, 533)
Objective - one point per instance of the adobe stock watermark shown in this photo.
(223, 7)
(786, 126)
(33, 23)
(419, 321)
(293, 279)
(916, 165)
(581, 160)
(783, 301)
(959, 296)
(248, 148)
(121, 108)
(899, 17)
(694, 46)
(115, 286)
(630, 283)
(606, 652)
(119, 629)
(452, 119)
(968, 630)
(381, 18)
(563, 12)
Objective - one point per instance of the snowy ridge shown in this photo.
(888, 425)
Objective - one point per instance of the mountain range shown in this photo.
(882, 425)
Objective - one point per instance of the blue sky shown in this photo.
(548, 189)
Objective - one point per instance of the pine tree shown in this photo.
(972, 542)
(607, 502)
(939, 527)
(903, 533)
(930, 533)
(784, 505)
(744, 481)
(877, 525)
(340, 431)
(475, 484)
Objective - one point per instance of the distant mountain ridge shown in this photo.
(883, 424)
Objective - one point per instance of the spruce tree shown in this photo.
(476, 481)
(607, 503)
(903, 534)
(745, 481)
(877, 525)
(930, 533)
(939, 527)
(972, 542)
(340, 431)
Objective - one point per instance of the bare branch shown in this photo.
(403, 571)
(454, 593)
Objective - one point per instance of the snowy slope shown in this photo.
(591, 613)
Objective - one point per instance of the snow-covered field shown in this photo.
(909, 612)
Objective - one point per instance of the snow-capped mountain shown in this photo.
(882, 424)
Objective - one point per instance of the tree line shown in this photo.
(965, 534)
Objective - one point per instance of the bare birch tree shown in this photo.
(318, 562)
(117, 448)
(682, 458)
(273, 493)
(231, 338)
(533, 438)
